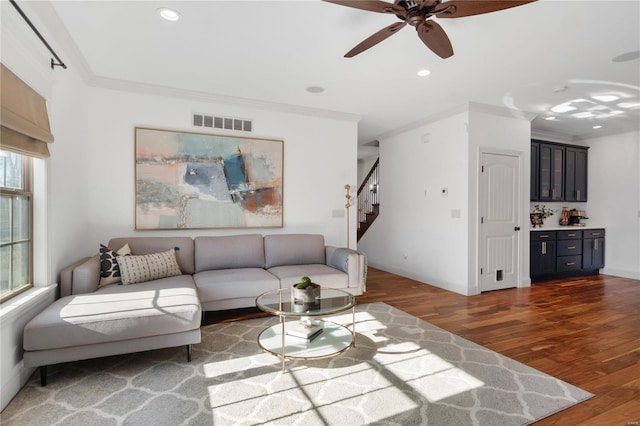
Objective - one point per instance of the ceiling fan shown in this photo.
(417, 13)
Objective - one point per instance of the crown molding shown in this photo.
(172, 92)
(468, 107)
(551, 136)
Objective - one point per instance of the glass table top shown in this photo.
(332, 300)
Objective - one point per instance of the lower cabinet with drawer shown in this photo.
(565, 253)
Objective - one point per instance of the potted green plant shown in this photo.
(543, 211)
(305, 291)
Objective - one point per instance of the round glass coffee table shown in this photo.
(289, 340)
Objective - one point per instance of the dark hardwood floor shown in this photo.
(585, 331)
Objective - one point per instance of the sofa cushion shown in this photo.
(234, 283)
(293, 249)
(236, 251)
(114, 313)
(324, 275)
(109, 268)
(148, 267)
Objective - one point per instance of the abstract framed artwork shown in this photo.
(187, 180)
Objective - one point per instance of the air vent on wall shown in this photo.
(226, 123)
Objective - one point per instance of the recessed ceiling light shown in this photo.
(616, 112)
(168, 14)
(606, 98)
(550, 118)
(597, 127)
(315, 89)
(423, 72)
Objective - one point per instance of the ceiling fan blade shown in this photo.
(435, 38)
(372, 6)
(375, 39)
(460, 8)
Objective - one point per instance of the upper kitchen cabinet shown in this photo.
(558, 172)
(535, 170)
(551, 172)
(575, 174)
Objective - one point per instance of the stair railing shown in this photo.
(369, 193)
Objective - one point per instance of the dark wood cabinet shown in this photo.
(593, 249)
(535, 171)
(575, 174)
(558, 172)
(551, 172)
(565, 253)
(543, 253)
(569, 254)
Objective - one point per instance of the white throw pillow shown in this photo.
(137, 269)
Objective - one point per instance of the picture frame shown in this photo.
(536, 219)
(189, 180)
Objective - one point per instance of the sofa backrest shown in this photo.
(147, 245)
(293, 249)
(229, 252)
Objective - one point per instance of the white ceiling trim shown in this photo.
(157, 90)
(470, 106)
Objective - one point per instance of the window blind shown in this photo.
(24, 120)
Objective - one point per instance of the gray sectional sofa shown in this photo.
(215, 273)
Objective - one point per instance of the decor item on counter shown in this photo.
(188, 180)
(536, 220)
(575, 216)
(564, 217)
(543, 211)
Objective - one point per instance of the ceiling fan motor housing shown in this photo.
(416, 11)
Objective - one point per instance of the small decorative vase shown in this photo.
(564, 217)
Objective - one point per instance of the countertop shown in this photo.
(556, 227)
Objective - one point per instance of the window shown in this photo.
(16, 244)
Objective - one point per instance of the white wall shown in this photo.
(416, 234)
(60, 189)
(614, 200)
(498, 130)
(320, 156)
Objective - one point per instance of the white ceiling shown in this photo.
(273, 50)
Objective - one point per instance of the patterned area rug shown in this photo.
(402, 371)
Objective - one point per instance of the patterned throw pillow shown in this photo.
(137, 269)
(109, 269)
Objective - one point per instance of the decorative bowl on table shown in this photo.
(305, 292)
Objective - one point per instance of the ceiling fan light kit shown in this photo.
(417, 13)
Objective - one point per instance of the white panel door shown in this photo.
(500, 221)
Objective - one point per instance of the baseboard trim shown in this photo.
(634, 275)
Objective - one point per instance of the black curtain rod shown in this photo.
(35, 30)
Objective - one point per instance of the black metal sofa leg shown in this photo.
(43, 375)
(188, 353)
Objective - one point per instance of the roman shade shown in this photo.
(25, 123)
